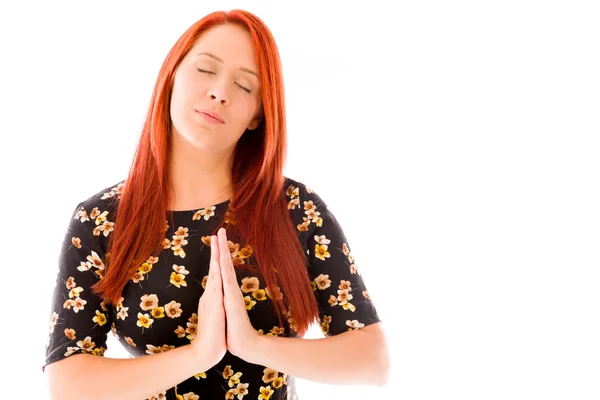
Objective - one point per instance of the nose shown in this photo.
(218, 93)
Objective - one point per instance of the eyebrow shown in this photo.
(219, 60)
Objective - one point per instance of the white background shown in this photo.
(456, 142)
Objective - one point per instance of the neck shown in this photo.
(198, 179)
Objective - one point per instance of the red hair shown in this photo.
(259, 205)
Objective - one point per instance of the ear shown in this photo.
(255, 121)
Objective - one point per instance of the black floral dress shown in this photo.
(158, 308)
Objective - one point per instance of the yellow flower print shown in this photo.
(206, 240)
(345, 285)
(82, 215)
(344, 296)
(237, 260)
(260, 295)
(333, 300)
(309, 205)
(76, 242)
(101, 218)
(249, 302)
(200, 375)
(314, 285)
(191, 396)
(269, 375)
(156, 350)
(292, 204)
(205, 213)
(70, 283)
(231, 393)
(322, 239)
(227, 372)
(182, 231)
(100, 318)
(265, 393)
(122, 314)
(137, 277)
(303, 227)
(180, 332)
(75, 292)
(292, 191)
(276, 331)
(173, 309)
(86, 344)
(246, 251)
(318, 221)
(144, 320)
(312, 214)
(180, 269)
(250, 284)
(274, 292)
(166, 243)
(235, 379)
(177, 279)
(178, 251)
(77, 304)
(98, 351)
(354, 325)
(158, 312)
(149, 302)
(94, 213)
(204, 281)
(70, 333)
(322, 281)
(229, 218)
(242, 390)
(191, 330)
(106, 228)
(95, 260)
(321, 251)
(325, 328)
(366, 295)
(278, 382)
(345, 249)
(145, 268)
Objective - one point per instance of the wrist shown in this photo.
(195, 362)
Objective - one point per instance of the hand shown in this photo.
(241, 335)
(209, 345)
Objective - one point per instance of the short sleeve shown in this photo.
(79, 320)
(341, 292)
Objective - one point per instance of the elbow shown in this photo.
(384, 369)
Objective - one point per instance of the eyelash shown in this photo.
(210, 72)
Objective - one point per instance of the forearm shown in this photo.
(347, 358)
(115, 378)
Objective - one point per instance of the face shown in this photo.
(216, 91)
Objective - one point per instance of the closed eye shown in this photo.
(244, 88)
(210, 72)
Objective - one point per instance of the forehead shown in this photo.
(231, 43)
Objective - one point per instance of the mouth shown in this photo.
(211, 116)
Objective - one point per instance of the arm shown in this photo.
(114, 378)
(353, 357)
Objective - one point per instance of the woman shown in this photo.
(206, 263)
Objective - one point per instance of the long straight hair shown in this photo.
(259, 206)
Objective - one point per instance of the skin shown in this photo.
(201, 152)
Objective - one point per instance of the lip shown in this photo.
(211, 116)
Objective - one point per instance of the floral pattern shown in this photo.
(158, 308)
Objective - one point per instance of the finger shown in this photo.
(214, 272)
(226, 265)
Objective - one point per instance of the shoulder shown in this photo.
(301, 192)
(306, 207)
(104, 201)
